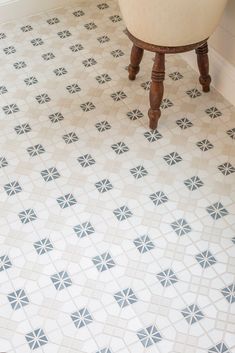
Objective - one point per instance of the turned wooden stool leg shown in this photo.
(136, 57)
(203, 65)
(156, 90)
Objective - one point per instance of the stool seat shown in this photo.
(171, 22)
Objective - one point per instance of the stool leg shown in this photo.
(203, 65)
(156, 90)
(135, 60)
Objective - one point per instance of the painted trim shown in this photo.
(221, 71)
(16, 9)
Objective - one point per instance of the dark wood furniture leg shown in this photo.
(156, 90)
(203, 65)
(135, 60)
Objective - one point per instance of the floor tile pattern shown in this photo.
(113, 238)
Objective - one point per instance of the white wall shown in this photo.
(223, 40)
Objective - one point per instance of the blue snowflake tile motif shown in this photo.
(122, 213)
(2, 35)
(3, 162)
(115, 18)
(87, 107)
(81, 318)
(76, 47)
(83, 229)
(3, 90)
(50, 174)
(205, 259)
(172, 158)
(37, 41)
(118, 96)
(19, 65)
(103, 185)
(138, 172)
(229, 293)
(120, 147)
(205, 145)
(158, 198)
(166, 103)
(12, 188)
(90, 26)
(60, 71)
(103, 262)
(103, 6)
(149, 336)
(192, 314)
(70, 138)
(61, 280)
(43, 246)
(217, 210)
(103, 126)
(35, 150)
(146, 85)
(167, 277)
(117, 53)
(26, 28)
(181, 227)
(144, 244)
(18, 299)
(30, 81)
(184, 123)
(78, 13)
(27, 216)
(219, 348)
(193, 93)
(22, 129)
(43, 98)
(231, 133)
(89, 62)
(104, 350)
(135, 114)
(53, 21)
(226, 168)
(73, 88)
(64, 34)
(86, 160)
(9, 50)
(103, 39)
(66, 201)
(175, 76)
(103, 78)
(48, 56)
(193, 183)
(5, 263)
(10, 109)
(153, 135)
(213, 112)
(125, 297)
(36, 339)
(56, 117)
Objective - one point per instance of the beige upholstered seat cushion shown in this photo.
(171, 22)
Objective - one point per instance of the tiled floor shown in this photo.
(114, 238)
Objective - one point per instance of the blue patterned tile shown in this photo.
(61, 280)
(103, 262)
(36, 338)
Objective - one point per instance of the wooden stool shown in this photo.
(168, 27)
(158, 70)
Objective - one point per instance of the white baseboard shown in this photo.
(16, 9)
(221, 71)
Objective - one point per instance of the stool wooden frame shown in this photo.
(158, 70)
